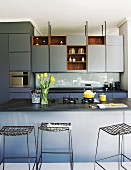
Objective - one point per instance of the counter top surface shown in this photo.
(81, 90)
(26, 105)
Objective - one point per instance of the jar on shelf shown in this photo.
(61, 42)
(81, 51)
(70, 59)
(72, 51)
(74, 59)
(83, 59)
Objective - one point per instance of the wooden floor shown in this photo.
(63, 166)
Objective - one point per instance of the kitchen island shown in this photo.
(85, 124)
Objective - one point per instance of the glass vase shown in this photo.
(44, 96)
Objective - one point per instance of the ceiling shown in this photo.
(66, 16)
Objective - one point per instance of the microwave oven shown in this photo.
(19, 79)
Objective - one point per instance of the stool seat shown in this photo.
(55, 127)
(118, 129)
(16, 130)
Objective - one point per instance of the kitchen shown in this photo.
(66, 81)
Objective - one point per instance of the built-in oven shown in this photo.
(19, 79)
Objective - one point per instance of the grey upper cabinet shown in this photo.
(114, 59)
(19, 61)
(58, 59)
(19, 42)
(96, 58)
(114, 40)
(40, 58)
(76, 40)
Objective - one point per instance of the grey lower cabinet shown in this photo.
(76, 40)
(58, 59)
(120, 95)
(40, 58)
(96, 58)
(19, 61)
(114, 59)
(4, 68)
(19, 42)
(17, 93)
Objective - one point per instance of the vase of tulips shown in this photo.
(45, 83)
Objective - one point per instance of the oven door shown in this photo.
(19, 79)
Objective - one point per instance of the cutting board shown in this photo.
(112, 105)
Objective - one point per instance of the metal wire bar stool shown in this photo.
(120, 130)
(54, 127)
(7, 131)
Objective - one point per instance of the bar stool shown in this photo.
(120, 130)
(55, 127)
(7, 131)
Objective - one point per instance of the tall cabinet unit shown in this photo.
(15, 55)
(114, 53)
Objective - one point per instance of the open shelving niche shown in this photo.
(76, 57)
(48, 40)
(96, 40)
(40, 40)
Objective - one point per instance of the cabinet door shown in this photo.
(96, 58)
(4, 68)
(19, 61)
(58, 59)
(76, 40)
(19, 42)
(120, 95)
(114, 59)
(40, 59)
(20, 95)
(114, 40)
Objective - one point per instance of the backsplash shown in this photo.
(80, 79)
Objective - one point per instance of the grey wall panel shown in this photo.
(20, 95)
(96, 58)
(15, 27)
(40, 58)
(76, 40)
(4, 68)
(114, 59)
(58, 59)
(19, 42)
(19, 61)
(114, 40)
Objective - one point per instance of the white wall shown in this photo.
(125, 30)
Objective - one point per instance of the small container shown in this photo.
(74, 59)
(70, 59)
(102, 98)
(81, 51)
(72, 51)
(83, 59)
(61, 42)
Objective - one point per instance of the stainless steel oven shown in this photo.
(19, 79)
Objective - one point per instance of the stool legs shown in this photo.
(120, 152)
(39, 159)
(71, 150)
(28, 152)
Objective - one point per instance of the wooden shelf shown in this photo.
(96, 40)
(77, 54)
(39, 40)
(80, 62)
